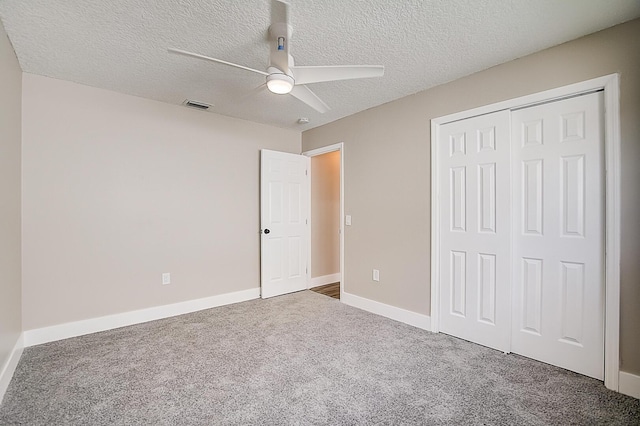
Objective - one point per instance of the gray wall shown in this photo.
(119, 189)
(10, 128)
(387, 169)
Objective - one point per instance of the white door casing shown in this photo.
(475, 229)
(284, 193)
(558, 250)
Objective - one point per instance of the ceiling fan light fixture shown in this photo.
(280, 84)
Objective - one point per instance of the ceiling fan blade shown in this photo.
(220, 61)
(318, 74)
(251, 93)
(305, 94)
(279, 12)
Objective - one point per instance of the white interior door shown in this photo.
(558, 211)
(475, 235)
(284, 193)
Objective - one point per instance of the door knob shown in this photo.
(266, 231)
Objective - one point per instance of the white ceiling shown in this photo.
(121, 45)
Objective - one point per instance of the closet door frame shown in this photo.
(610, 85)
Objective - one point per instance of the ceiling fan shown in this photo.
(283, 76)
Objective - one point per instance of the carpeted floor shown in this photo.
(297, 359)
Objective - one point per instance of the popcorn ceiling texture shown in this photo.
(122, 45)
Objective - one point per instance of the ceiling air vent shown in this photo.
(196, 105)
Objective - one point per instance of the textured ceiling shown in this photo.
(121, 45)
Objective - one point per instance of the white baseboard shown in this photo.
(10, 366)
(78, 328)
(398, 314)
(324, 279)
(629, 384)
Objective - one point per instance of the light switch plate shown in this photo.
(347, 220)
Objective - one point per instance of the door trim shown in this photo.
(611, 86)
(312, 153)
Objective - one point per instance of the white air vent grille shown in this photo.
(196, 105)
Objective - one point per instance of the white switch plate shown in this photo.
(347, 220)
(376, 275)
(166, 278)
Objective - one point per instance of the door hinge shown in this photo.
(306, 172)
(306, 221)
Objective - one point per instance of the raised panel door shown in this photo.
(475, 229)
(284, 230)
(558, 291)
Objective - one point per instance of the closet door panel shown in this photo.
(475, 229)
(558, 241)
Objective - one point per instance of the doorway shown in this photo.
(326, 212)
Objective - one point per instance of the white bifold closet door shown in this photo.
(475, 229)
(521, 242)
(558, 211)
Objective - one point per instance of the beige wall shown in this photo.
(10, 131)
(119, 189)
(387, 172)
(325, 214)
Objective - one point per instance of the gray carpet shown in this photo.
(298, 359)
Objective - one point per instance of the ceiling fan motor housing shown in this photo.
(278, 82)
